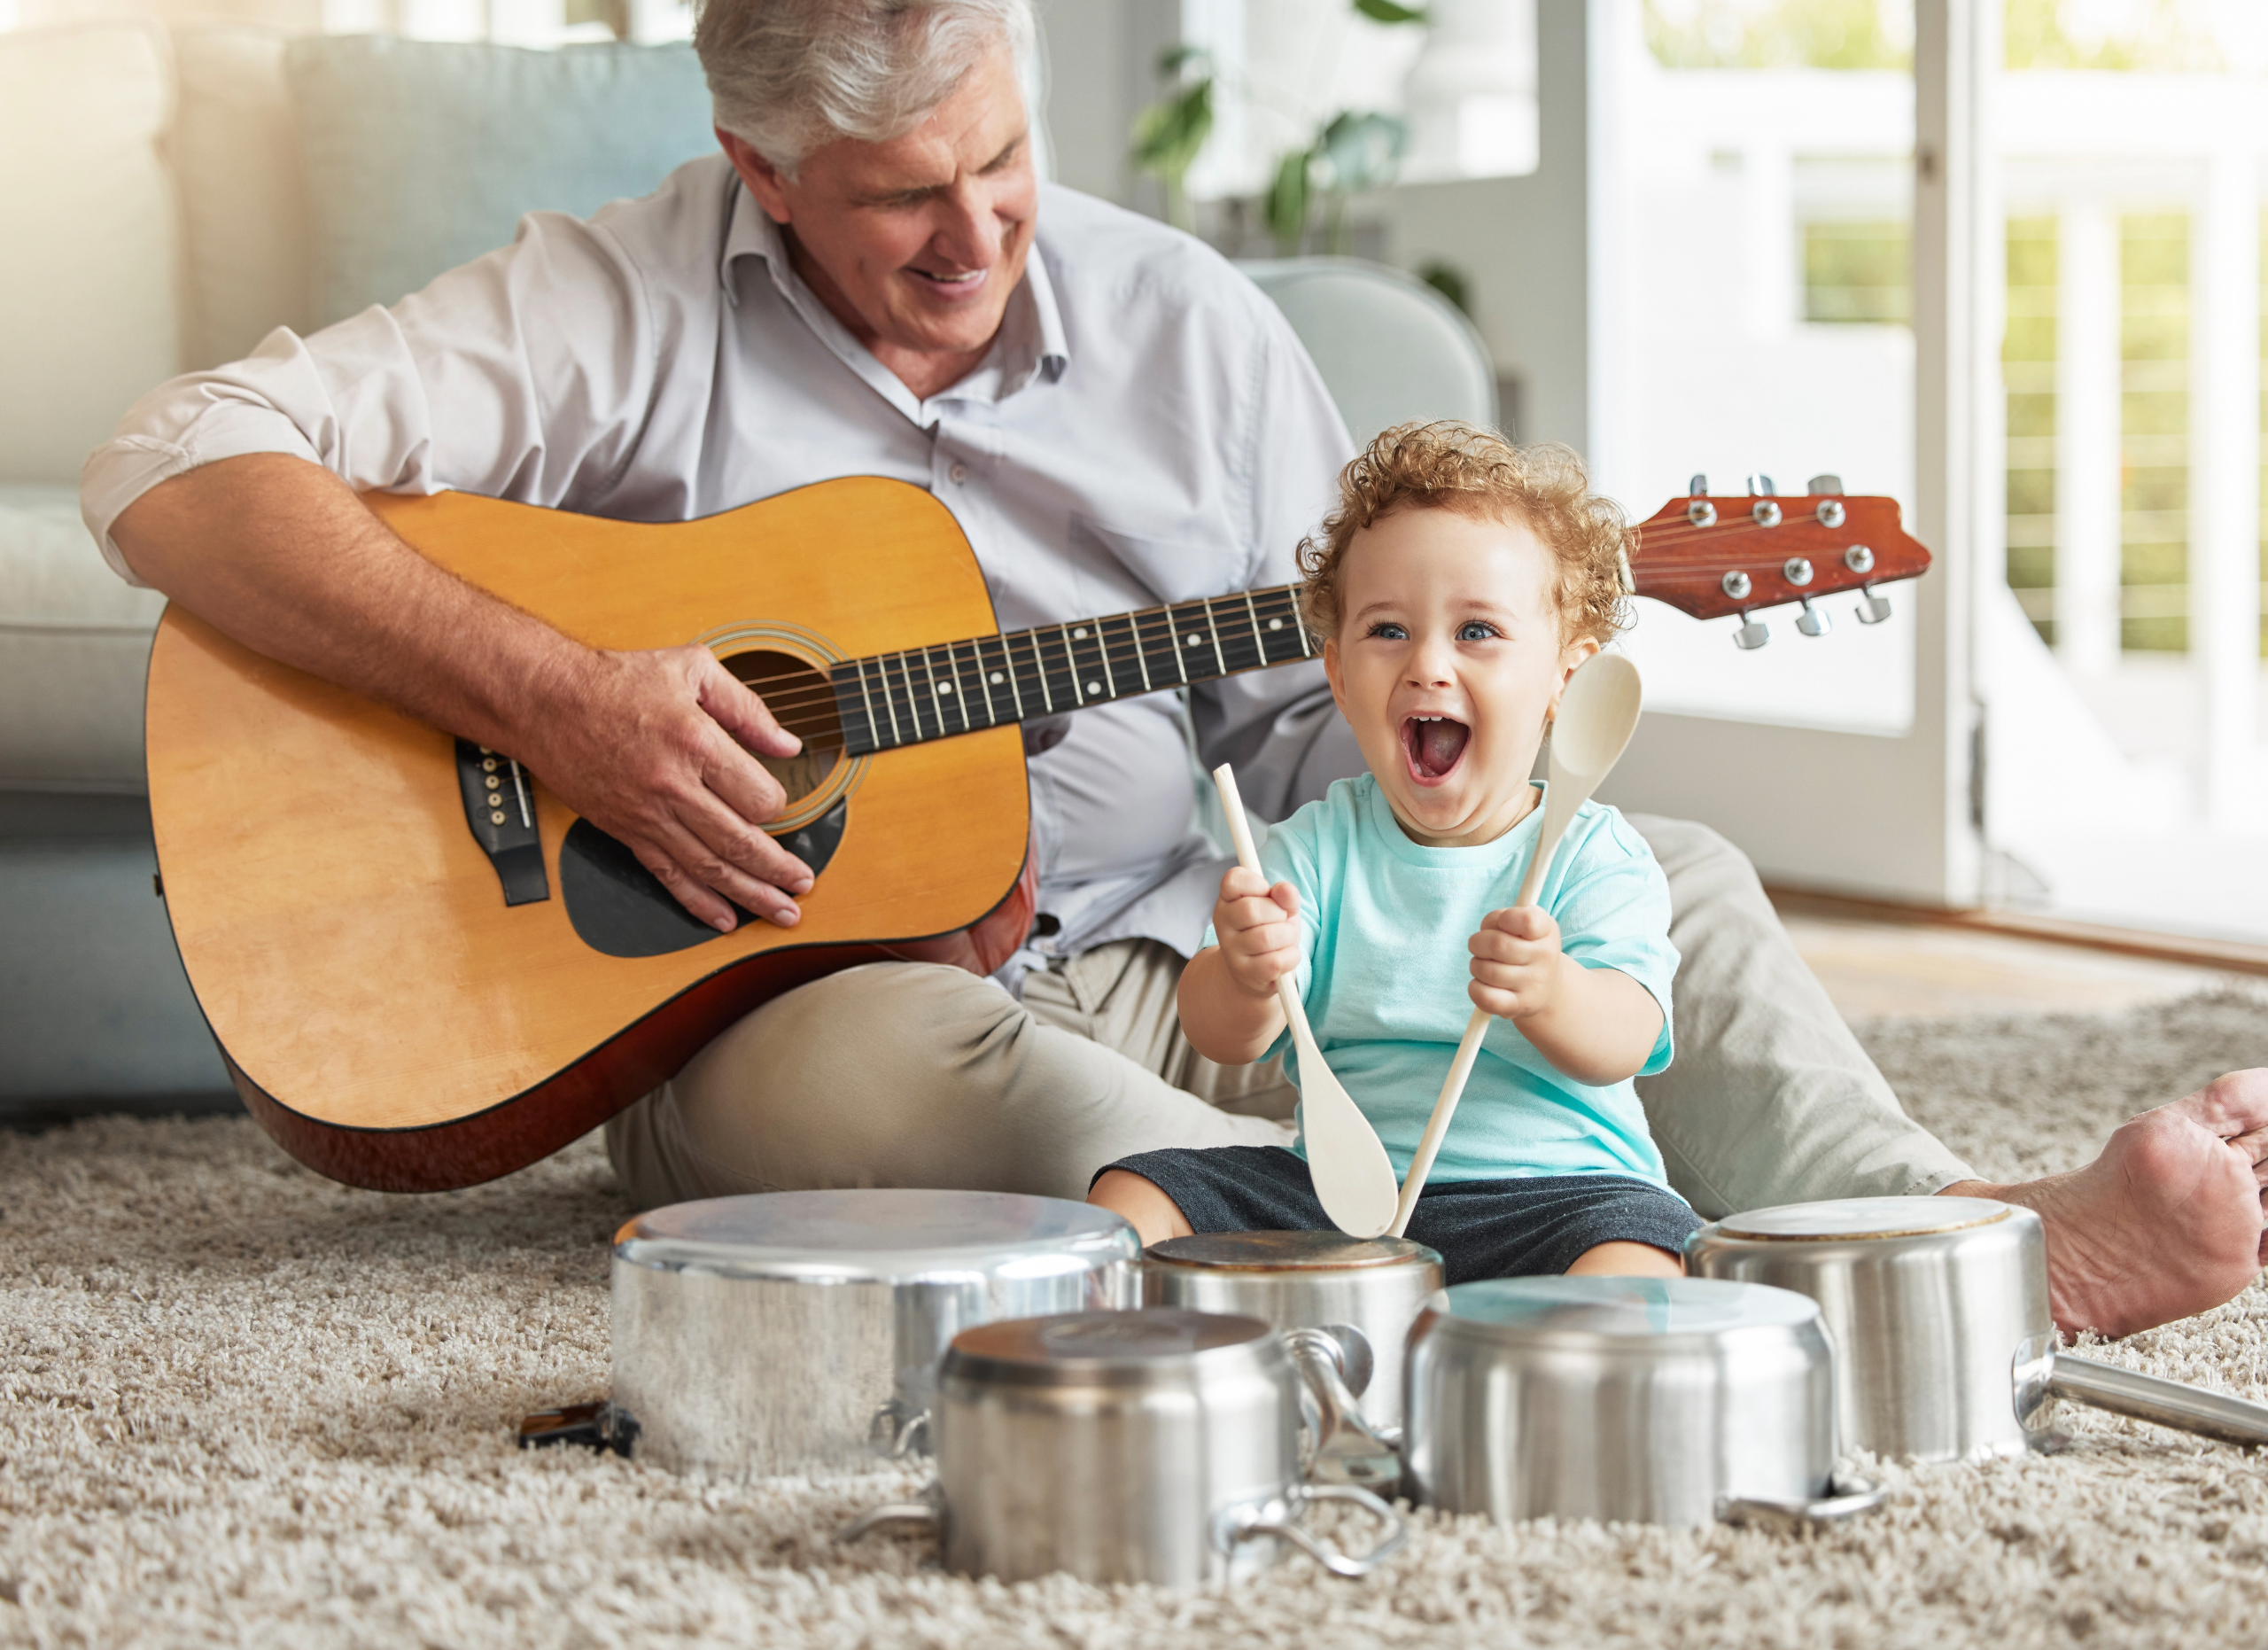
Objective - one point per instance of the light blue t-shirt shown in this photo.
(1384, 923)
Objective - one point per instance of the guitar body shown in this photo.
(386, 1015)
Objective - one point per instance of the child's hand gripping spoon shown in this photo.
(1597, 714)
(1353, 1177)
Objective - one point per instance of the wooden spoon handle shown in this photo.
(1249, 856)
(1429, 1144)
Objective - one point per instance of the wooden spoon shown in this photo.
(1598, 711)
(1353, 1177)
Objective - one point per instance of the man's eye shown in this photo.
(1476, 630)
(1387, 631)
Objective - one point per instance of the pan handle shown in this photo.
(2168, 1402)
(1847, 1499)
(1347, 1448)
(889, 1513)
(1241, 1524)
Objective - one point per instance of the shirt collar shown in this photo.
(1030, 341)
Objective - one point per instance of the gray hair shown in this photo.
(787, 77)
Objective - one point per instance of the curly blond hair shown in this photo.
(1449, 466)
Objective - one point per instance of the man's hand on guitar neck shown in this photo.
(653, 748)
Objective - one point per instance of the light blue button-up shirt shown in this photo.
(1145, 428)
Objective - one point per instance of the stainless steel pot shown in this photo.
(800, 1331)
(1654, 1400)
(1937, 1306)
(1157, 1445)
(1363, 1293)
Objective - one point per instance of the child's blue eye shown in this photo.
(1386, 630)
(1476, 630)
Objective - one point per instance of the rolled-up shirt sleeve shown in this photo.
(524, 374)
(1279, 726)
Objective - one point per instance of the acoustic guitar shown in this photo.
(423, 971)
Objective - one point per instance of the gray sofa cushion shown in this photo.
(420, 156)
(75, 649)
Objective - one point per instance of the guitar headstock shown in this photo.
(1712, 556)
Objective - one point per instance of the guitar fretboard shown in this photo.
(892, 700)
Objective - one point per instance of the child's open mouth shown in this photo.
(1434, 744)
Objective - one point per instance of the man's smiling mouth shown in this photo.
(951, 283)
(1433, 746)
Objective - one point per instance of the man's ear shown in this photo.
(762, 178)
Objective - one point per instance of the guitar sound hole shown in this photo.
(803, 701)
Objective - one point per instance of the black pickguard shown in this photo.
(619, 908)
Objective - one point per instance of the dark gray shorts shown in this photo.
(1516, 1228)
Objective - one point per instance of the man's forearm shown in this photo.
(281, 556)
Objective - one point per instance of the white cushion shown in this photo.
(89, 272)
(75, 650)
(236, 155)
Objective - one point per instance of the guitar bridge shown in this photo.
(500, 807)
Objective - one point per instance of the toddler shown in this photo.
(1457, 588)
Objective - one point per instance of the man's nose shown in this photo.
(970, 233)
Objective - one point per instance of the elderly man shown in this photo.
(869, 279)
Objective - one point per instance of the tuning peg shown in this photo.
(1761, 486)
(1820, 485)
(1698, 486)
(1873, 608)
(1814, 621)
(1701, 513)
(1752, 633)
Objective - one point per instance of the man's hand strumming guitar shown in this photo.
(654, 748)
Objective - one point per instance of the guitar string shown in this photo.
(786, 707)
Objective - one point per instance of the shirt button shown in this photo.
(958, 474)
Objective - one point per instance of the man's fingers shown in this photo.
(2254, 1145)
(740, 712)
(702, 902)
(739, 856)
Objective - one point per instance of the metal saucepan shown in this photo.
(800, 1331)
(1654, 1400)
(1363, 1293)
(1937, 1306)
(1156, 1445)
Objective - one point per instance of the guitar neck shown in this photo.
(892, 700)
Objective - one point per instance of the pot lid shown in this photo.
(1288, 1252)
(877, 1233)
(1624, 1308)
(1859, 1218)
(1082, 1345)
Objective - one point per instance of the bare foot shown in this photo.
(2166, 1221)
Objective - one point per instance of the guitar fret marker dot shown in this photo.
(996, 679)
(1191, 641)
(944, 688)
(1275, 624)
(1080, 634)
(1094, 687)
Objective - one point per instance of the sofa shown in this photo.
(172, 196)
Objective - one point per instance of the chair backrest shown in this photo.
(1390, 348)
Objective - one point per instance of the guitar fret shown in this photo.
(1214, 631)
(1126, 639)
(1008, 673)
(952, 688)
(881, 668)
(912, 694)
(991, 716)
(1259, 642)
(1102, 646)
(1183, 642)
(1229, 648)
(1070, 663)
(1141, 656)
(1039, 669)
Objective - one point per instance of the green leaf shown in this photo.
(1362, 151)
(1287, 200)
(1169, 133)
(1390, 11)
(1173, 59)
(1450, 281)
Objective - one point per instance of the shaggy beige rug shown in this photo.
(240, 1406)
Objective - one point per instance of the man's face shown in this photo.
(918, 241)
(1447, 661)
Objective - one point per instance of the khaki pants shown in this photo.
(918, 1074)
